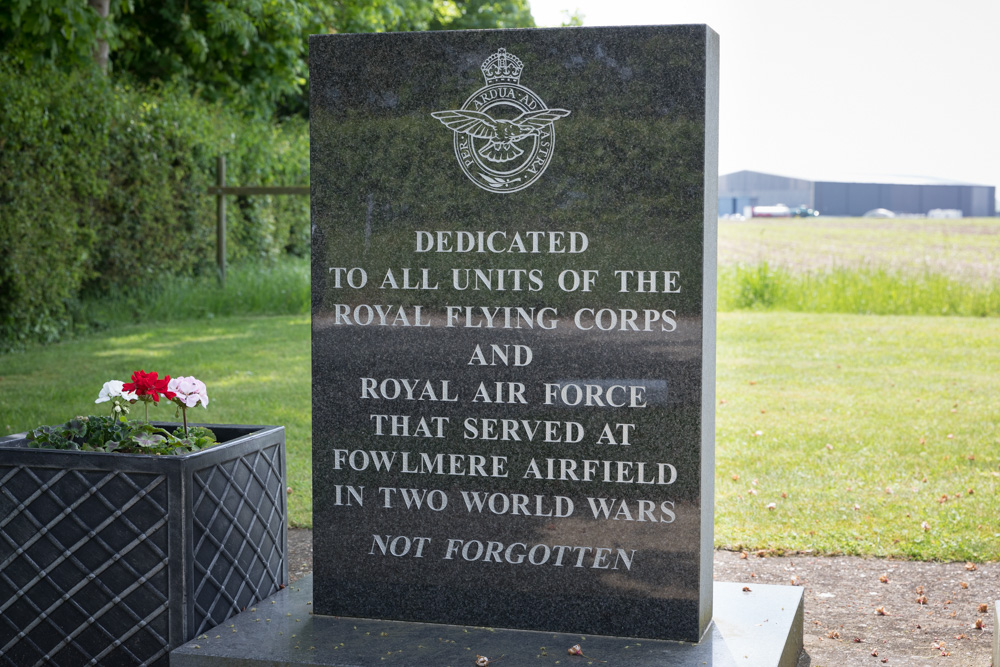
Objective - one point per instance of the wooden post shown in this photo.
(220, 220)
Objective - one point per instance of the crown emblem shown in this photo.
(504, 133)
(502, 67)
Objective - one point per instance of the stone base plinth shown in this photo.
(762, 628)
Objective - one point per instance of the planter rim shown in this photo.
(254, 429)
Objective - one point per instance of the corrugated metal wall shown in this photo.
(859, 198)
(753, 188)
(851, 199)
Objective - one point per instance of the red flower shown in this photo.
(147, 384)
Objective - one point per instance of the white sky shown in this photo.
(838, 87)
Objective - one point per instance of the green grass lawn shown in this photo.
(859, 429)
(963, 249)
(257, 370)
(856, 427)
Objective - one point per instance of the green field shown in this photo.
(868, 425)
(862, 266)
(257, 371)
(966, 249)
(872, 435)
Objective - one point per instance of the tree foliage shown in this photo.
(399, 15)
(250, 54)
(103, 190)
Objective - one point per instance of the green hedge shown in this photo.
(102, 188)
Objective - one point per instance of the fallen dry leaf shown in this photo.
(926, 526)
(970, 566)
(963, 584)
(833, 634)
(884, 579)
(743, 554)
(983, 608)
(746, 589)
(881, 611)
(772, 506)
(979, 624)
(922, 599)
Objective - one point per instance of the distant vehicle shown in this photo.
(945, 213)
(804, 212)
(776, 211)
(880, 213)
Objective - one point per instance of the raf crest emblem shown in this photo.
(504, 133)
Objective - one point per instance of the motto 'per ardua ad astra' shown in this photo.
(114, 434)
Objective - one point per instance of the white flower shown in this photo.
(113, 389)
(190, 391)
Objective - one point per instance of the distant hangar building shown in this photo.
(854, 197)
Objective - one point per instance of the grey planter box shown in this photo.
(115, 559)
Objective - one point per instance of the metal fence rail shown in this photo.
(221, 190)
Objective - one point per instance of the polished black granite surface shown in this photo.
(513, 328)
(762, 628)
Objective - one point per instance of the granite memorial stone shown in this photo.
(513, 267)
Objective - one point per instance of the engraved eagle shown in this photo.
(503, 135)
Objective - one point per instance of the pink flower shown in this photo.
(190, 391)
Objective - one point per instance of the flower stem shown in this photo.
(184, 413)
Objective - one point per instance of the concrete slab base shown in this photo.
(996, 634)
(759, 628)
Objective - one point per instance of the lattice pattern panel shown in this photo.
(239, 546)
(83, 567)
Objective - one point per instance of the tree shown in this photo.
(483, 14)
(67, 32)
(400, 15)
(250, 54)
(101, 50)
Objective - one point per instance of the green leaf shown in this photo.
(147, 440)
